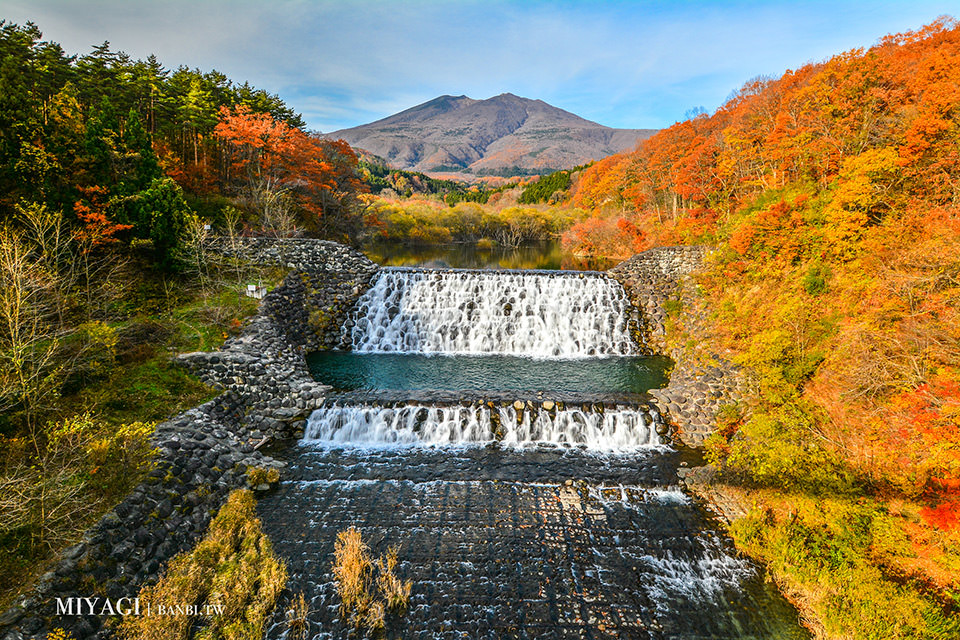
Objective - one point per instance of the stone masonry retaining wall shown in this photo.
(204, 453)
(659, 283)
(265, 367)
(312, 305)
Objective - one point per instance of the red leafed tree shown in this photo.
(337, 205)
(283, 174)
(614, 237)
(95, 230)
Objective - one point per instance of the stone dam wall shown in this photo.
(267, 394)
(660, 284)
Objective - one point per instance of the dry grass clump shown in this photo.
(297, 624)
(257, 476)
(232, 569)
(368, 591)
(395, 592)
(351, 568)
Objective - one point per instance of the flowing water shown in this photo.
(536, 314)
(616, 430)
(527, 520)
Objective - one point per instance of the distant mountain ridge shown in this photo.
(495, 136)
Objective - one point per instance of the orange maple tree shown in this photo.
(271, 163)
(96, 229)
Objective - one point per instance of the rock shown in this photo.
(165, 508)
(31, 625)
(704, 475)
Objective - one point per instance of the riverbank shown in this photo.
(111, 381)
(267, 394)
(852, 557)
(661, 286)
(205, 453)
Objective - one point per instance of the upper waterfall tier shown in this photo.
(544, 315)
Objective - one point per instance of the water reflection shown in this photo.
(544, 255)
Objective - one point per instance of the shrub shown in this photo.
(351, 569)
(259, 475)
(815, 279)
(838, 552)
(98, 345)
(51, 487)
(776, 448)
(395, 591)
(297, 615)
(160, 214)
(615, 237)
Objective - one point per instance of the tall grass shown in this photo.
(369, 590)
(297, 624)
(233, 568)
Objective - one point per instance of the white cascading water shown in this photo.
(607, 431)
(612, 430)
(464, 312)
(409, 425)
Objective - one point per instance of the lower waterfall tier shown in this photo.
(613, 430)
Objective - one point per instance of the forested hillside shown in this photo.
(102, 135)
(832, 196)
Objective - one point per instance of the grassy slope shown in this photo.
(141, 384)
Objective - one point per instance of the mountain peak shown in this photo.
(502, 134)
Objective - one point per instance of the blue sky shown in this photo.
(343, 63)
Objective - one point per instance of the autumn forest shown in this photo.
(831, 195)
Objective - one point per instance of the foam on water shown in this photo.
(411, 425)
(464, 312)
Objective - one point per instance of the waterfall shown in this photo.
(407, 425)
(612, 430)
(544, 513)
(608, 431)
(542, 315)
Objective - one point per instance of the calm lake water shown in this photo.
(544, 255)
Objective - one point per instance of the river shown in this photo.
(555, 516)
